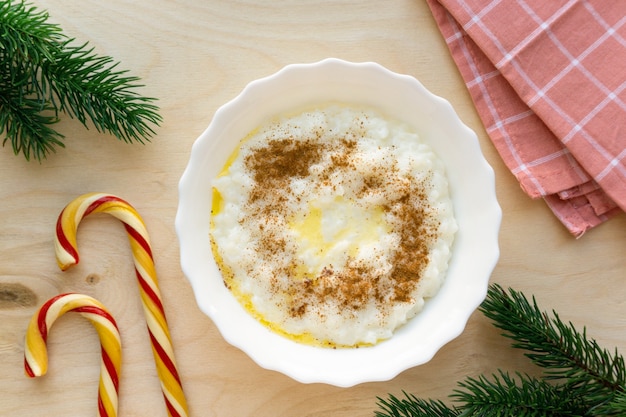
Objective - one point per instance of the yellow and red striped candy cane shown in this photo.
(67, 255)
(36, 352)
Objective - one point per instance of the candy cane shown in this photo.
(36, 353)
(67, 255)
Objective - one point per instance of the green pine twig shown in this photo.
(580, 377)
(566, 355)
(615, 407)
(411, 406)
(504, 395)
(44, 73)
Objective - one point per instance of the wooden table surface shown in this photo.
(194, 56)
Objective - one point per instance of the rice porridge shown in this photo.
(331, 226)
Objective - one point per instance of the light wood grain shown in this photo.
(194, 56)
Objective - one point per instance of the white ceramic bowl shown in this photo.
(478, 214)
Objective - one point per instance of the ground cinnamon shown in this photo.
(280, 160)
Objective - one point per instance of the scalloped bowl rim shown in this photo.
(472, 184)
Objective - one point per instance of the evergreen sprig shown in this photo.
(522, 395)
(580, 378)
(411, 405)
(44, 73)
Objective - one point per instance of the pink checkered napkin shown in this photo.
(549, 81)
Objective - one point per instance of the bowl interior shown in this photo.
(472, 187)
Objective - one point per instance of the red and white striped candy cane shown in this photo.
(67, 255)
(36, 352)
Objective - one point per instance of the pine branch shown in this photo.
(565, 354)
(89, 87)
(27, 126)
(580, 378)
(42, 69)
(26, 36)
(615, 407)
(503, 395)
(411, 406)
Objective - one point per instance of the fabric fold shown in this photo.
(536, 72)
